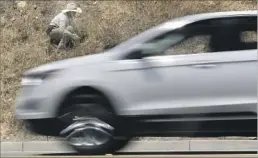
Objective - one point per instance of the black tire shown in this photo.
(95, 106)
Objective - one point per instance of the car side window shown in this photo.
(192, 45)
(205, 36)
(196, 39)
(214, 35)
(232, 34)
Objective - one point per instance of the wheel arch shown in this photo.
(89, 90)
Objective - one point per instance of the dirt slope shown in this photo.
(24, 42)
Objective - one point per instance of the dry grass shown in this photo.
(24, 41)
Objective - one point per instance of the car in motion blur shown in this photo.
(191, 76)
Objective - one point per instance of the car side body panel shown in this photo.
(187, 84)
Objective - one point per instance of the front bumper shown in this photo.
(31, 105)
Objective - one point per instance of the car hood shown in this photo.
(68, 63)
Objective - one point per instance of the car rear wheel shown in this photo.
(91, 125)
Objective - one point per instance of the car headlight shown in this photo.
(26, 81)
(34, 79)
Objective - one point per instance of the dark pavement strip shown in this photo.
(143, 156)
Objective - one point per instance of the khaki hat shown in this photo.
(72, 7)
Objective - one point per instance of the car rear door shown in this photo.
(206, 83)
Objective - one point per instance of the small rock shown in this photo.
(21, 4)
(99, 49)
(211, 2)
(35, 7)
(13, 19)
(3, 20)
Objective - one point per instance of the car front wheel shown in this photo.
(90, 125)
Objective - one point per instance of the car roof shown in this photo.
(177, 23)
(188, 19)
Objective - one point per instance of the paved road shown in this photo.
(18, 154)
(134, 148)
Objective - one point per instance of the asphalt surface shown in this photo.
(150, 149)
(151, 155)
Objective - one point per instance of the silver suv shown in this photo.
(191, 76)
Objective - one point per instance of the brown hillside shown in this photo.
(24, 42)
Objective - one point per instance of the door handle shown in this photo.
(204, 65)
